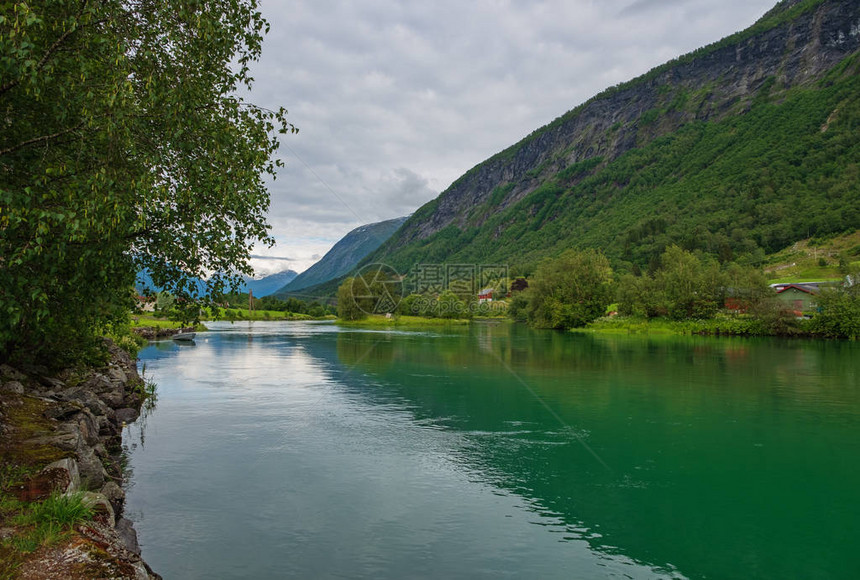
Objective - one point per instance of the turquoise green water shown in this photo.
(303, 450)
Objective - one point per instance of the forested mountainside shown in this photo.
(345, 254)
(737, 149)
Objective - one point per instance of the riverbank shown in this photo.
(721, 325)
(379, 321)
(61, 435)
(243, 314)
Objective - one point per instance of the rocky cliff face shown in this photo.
(794, 44)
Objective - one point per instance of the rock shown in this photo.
(108, 425)
(101, 507)
(88, 427)
(115, 495)
(70, 466)
(52, 383)
(60, 476)
(93, 473)
(128, 535)
(66, 438)
(127, 415)
(14, 387)
(87, 398)
(146, 332)
(10, 374)
(62, 410)
(117, 375)
(112, 394)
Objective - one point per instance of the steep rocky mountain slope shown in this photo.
(738, 149)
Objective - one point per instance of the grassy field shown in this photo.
(245, 314)
(379, 321)
(814, 260)
(150, 321)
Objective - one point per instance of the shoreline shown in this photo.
(62, 434)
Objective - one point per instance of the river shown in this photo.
(307, 450)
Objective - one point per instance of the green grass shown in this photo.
(632, 325)
(803, 278)
(721, 325)
(245, 314)
(59, 510)
(802, 261)
(37, 524)
(379, 321)
(152, 321)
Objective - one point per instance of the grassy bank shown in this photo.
(151, 321)
(379, 321)
(236, 314)
(720, 325)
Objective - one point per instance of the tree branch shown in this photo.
(53, 48)
(41, 139)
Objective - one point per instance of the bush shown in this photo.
(839, 313)
(347, 305)
(570, 291)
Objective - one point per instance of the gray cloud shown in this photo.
(397, 99)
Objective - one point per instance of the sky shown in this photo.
(396, 99)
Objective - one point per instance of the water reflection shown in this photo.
(719, 450)
(459, 453)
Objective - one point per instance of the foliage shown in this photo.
(277, 307)
(518, 309)
(690, 287)
(63, 510)
(450, 305)
(38, 524)
(722, 324)
(570, 291)
(839, 312)
(124, 146)
(348, 307)
(687, 286)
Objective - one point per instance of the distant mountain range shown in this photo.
(270, 284)
(261, 287)
(345, 254)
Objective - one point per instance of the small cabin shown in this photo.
(485, 295)
(799, 298)
(145, 303)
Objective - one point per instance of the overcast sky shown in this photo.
(396, 99)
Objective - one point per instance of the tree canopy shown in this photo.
(571, 290)
(124, 146)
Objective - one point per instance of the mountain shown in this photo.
(345, 254)
(737, 149)
(261, 287)
(270, 284)
(143, 283)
